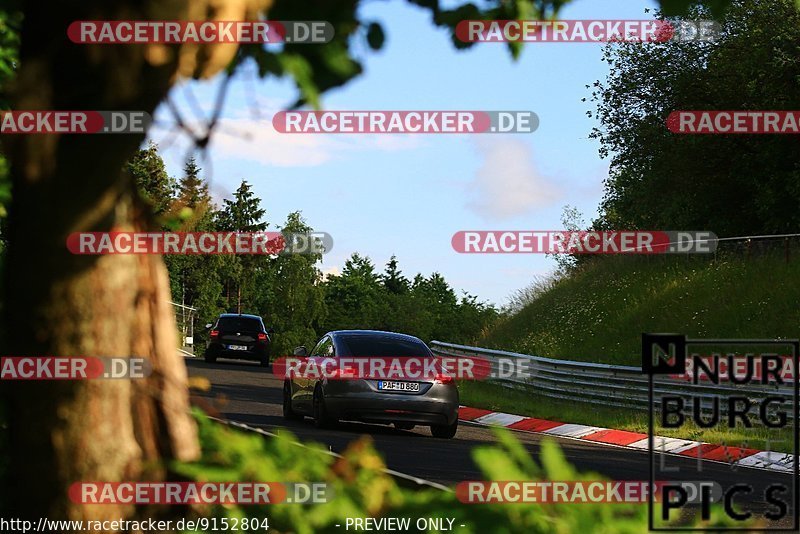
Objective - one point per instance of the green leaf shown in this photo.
(297, 66)
(375, 36)
(555, 463)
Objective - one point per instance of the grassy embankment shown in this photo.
(599, 312)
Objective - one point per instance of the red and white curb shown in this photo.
(744, 457)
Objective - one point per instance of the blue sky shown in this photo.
(408, 194)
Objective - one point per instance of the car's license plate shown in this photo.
(237, 347)
(398, 386)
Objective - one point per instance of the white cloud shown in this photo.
(508, 184)
(246, 133)
(256, 140)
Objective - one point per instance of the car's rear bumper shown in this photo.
(438, 406)
(220, 351)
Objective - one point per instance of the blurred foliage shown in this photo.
(10, 24)
(361, 488)
(316, 69)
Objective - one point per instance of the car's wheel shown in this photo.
(321, 417)
(404, 426)
(265, 361)
(210, 358)
(444, 431)
(288, 411)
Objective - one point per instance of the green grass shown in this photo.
(599, 312)
(501, 399)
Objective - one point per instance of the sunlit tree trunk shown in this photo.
(60, 304)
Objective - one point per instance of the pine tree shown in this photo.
(155, 185)
(393, 279)
(244, 213)
(192, 190)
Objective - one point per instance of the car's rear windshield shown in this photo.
(244, 324)
(364, 345)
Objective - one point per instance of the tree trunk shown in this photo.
(60, 304)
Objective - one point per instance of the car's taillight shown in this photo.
(442, 378)
(214, 333)
(262, 336)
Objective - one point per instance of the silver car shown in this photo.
(430, 400)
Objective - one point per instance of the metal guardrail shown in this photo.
(611, 385)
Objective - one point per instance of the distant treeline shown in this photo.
(289, 290)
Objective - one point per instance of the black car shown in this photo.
(240, 336)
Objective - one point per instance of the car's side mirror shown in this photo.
(209, 325)
(270, 330)
(301, 351)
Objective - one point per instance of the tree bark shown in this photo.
(65, 305)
